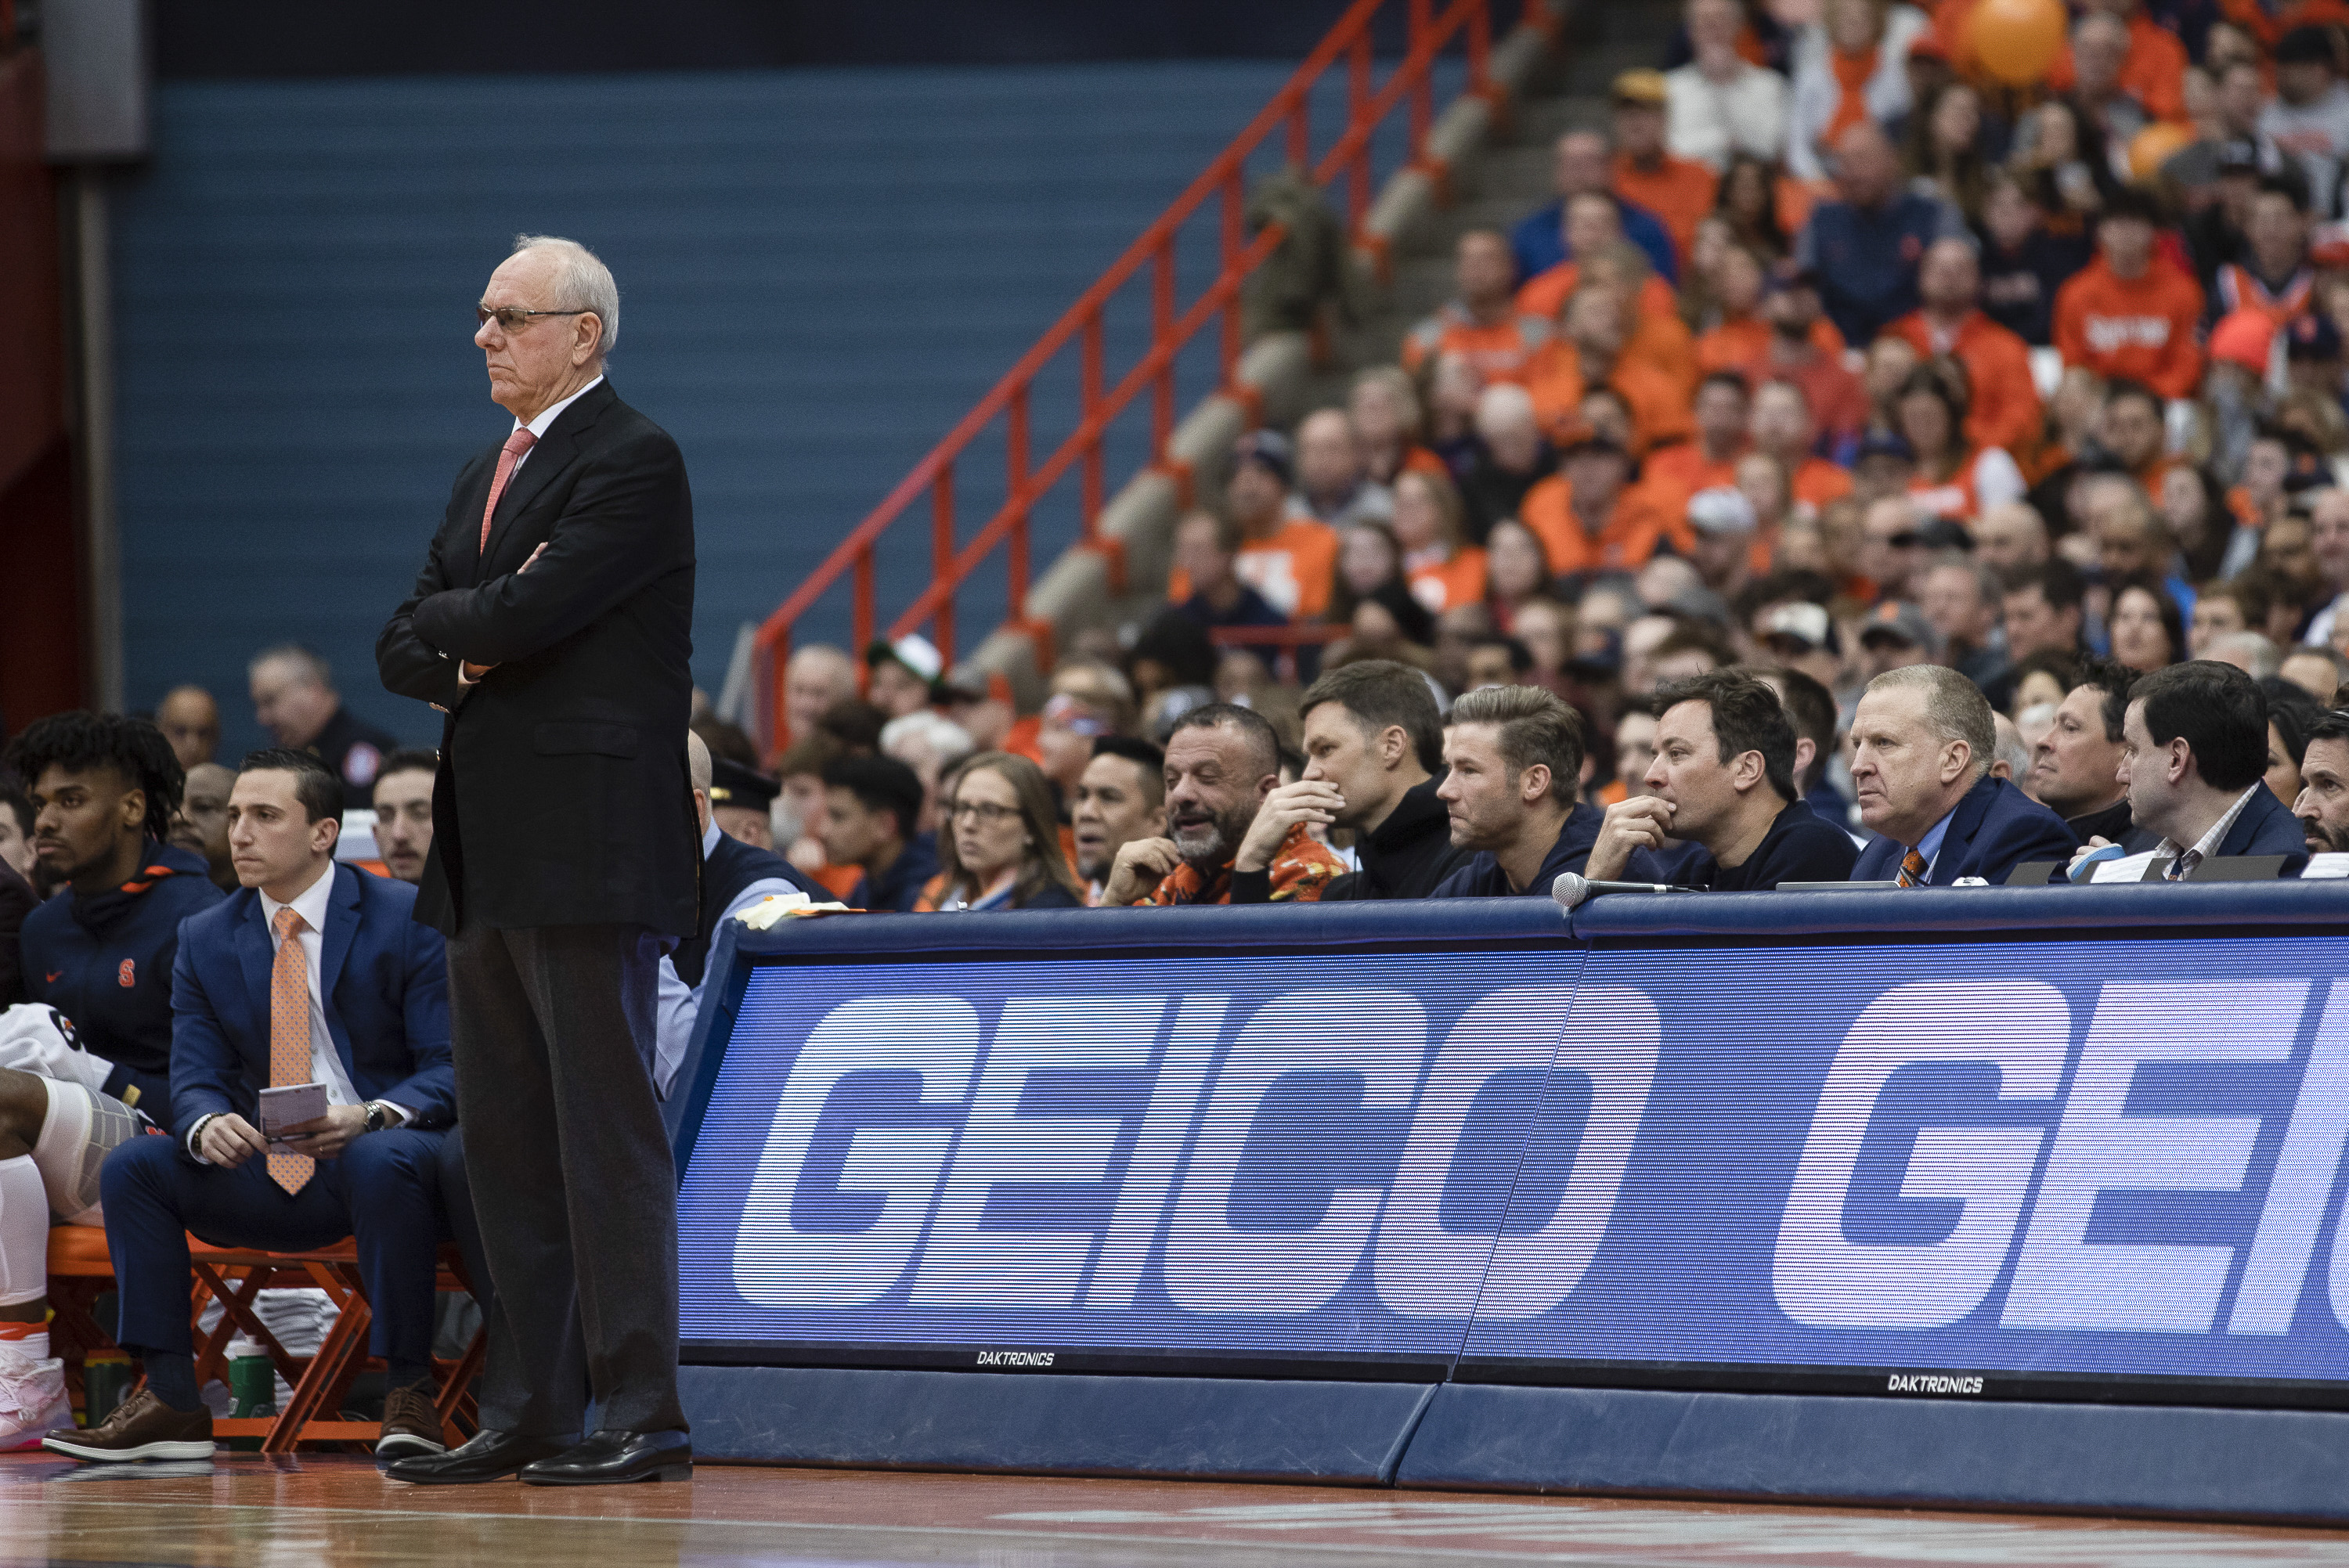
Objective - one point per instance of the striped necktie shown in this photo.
(521, 441)
(289, 1038)
(1912, 869)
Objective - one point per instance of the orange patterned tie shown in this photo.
(289, 1038)
(521, 441)
(1912, 869)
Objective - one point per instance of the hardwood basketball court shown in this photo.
(337, 1510)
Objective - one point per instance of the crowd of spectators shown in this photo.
(1834, 356)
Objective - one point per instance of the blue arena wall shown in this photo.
(821, 271)
(1999, 1198)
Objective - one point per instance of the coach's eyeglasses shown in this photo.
(511, 319)
(985, 811)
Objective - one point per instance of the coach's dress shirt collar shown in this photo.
(2207, 846)
(547, 416)
(310, 903)
(1930, 846)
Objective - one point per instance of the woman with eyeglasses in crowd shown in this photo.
(999, 841)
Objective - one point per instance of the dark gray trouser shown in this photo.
(573, 1184)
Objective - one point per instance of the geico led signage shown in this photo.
(2096, 1158)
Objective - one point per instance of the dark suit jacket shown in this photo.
(562, 798)
(1995, 828)
(2267, 827)
(382, 981)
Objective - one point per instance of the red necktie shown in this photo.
(521, 441)
(289, 1038)
(1912, 869)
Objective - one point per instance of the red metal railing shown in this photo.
(1410, 83)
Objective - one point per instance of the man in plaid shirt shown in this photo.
(1221, 762)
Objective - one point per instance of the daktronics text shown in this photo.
(2040, 1159)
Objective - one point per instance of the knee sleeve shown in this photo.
(24, 1233)
(81, 1129)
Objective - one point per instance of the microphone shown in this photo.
(1571, 889)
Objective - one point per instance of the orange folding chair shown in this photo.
(79, 1270)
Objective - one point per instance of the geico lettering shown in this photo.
(1370, 1040)
(2269, 1293)
(932, 1041)
(1157, 1150)
(1496, 1059)
(1825, 1280)
(2063, 1281)
(1611, 1044)
(2112, 333)
(1038, 1038)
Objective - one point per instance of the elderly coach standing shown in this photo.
(552, 624)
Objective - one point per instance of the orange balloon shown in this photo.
(2151, 148)
(2017, 40)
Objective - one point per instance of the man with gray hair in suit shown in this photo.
(552, 627)
(1922, 743)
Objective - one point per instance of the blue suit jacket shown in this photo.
(1996, 828)
(383, 980)
(2267, 827)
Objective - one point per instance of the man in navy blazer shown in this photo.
(2194, 755)
(1922, 743)
(312, 973)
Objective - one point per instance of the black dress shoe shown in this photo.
(488, 1455)
(610, 1458)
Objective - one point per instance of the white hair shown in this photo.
(1504, 405)
(306, 663)
(2250, 651)
(581, 282)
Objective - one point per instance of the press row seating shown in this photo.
(80, 1271)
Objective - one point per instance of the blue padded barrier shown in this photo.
(1972, 1195)
(2268, 1464)
(1233, 1428)
(1898, 914)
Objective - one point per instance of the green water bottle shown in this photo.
(252, 1394)
(105, 1379)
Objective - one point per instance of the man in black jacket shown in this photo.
(2075, 766)
(1724, 779)
(1374, 746)
(552, 624)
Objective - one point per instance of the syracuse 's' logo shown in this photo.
(127, 974)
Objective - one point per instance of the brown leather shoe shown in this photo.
(411, 1427)
(141, 1427)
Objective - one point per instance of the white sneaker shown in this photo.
(33, 1400)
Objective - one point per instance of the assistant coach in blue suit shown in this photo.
(310, 973)
(1922, 743)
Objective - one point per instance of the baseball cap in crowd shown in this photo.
(2306, 46)
(1583, 441)
(1937, 533)
(1884, 444)
(2130, 202)
(1723, 509)
(2238, 155)
(733, 784)
(1640, 87)
(1069, 712)
(914, 650)
(1270, 449)
(2311, 337)
(1808, 625)
(2244, 338)
(1787, 276)
(1898, 622)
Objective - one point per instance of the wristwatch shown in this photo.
(378, 1115)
